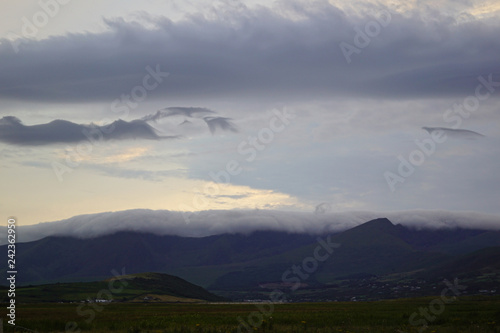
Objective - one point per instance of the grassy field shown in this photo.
(467, 314)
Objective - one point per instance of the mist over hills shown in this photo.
(215, 222)
(376, 251)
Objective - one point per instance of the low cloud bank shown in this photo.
(205, 223)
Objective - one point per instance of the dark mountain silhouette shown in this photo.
(237, 262)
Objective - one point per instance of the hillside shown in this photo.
(371, 249)
(93, 259)
(145, 287)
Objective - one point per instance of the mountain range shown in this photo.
(374, 260)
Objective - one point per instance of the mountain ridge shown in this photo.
(239, 262)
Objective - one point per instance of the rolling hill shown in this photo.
(144, 287)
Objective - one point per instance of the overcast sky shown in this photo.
(307, 106)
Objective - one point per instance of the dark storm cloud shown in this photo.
(260, 51)
(13, 131)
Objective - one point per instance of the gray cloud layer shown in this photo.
(252, 51)
(206, 223)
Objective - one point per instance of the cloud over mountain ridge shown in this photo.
(212, 222)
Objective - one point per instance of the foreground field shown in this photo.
(466, 314)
